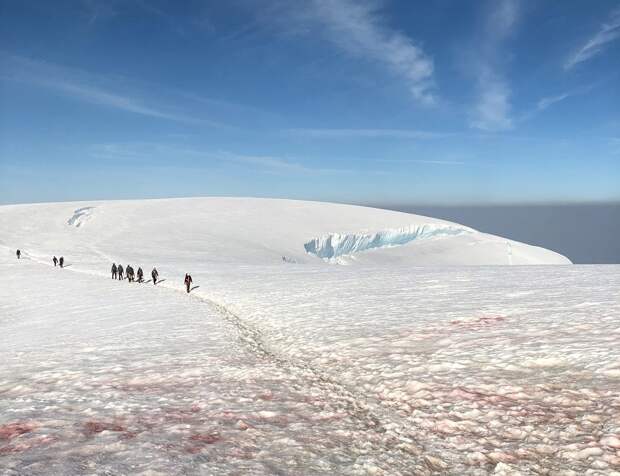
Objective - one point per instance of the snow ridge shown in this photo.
(334, 245)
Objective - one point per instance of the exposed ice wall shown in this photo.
(337, 244)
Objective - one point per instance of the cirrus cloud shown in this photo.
(608, 32)
(359, 29)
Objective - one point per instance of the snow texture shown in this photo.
(270, 367)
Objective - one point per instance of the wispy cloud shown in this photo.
(358, 28)
(502, 19)
(128, 151)
(158, 152)
(367, 133)
(95, 95)
(542, 105)
(268, 162)
(608, 32)
(492, 111)
(102, 11)
(545, 102)
(280, 165)
(86, 87)
(96, 10)
(422, 161)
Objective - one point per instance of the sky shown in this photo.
(382, 101)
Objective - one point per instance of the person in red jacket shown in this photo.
(188, 282)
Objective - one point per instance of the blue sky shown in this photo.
(367, 101)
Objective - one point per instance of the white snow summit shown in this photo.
(261, 231)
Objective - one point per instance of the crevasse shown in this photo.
(80, 216)
(334, 245)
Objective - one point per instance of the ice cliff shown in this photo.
(334, 245)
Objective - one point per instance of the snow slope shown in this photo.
(273, 367)
(257, 231)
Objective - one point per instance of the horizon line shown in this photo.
(366, 203)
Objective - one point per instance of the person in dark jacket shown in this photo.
(188, 282)
(61, 261)
(140, 274)
(129, 272)
(114, 271)
(55, 260)
(120, 270)
(18, 253)
(154, 275)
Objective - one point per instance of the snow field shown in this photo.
(450, 383)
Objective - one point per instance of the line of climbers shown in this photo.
(118, 271)
(55, 260)
(130, 274)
